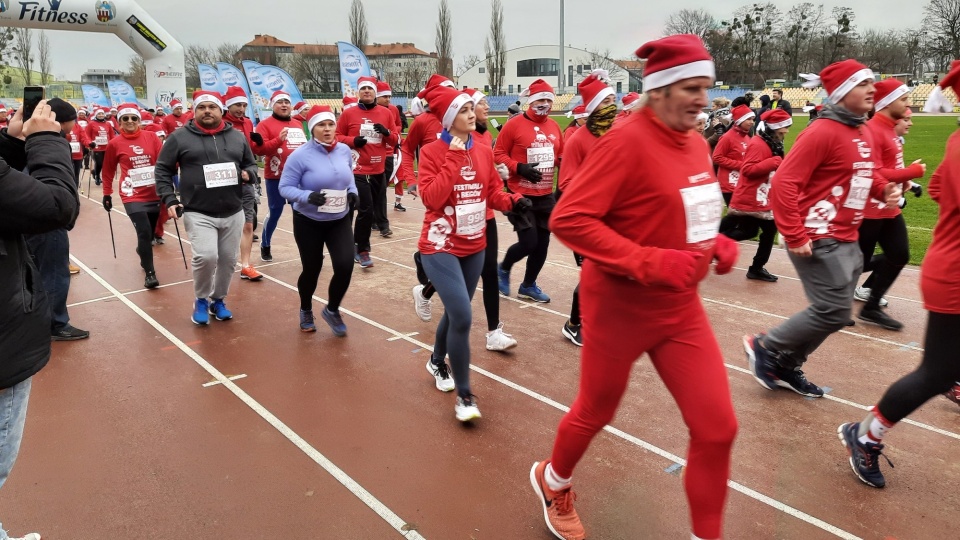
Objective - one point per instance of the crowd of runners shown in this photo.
(707, 178)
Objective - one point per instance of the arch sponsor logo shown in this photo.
(167, 74)
(47, 11)
(351, 63)
(3, 6)
(230, 78)
(106, 11)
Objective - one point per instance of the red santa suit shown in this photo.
(135, 156)
(424, 130)
(531, 139)
(939, 279)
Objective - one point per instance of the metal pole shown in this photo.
(560, 72)
(112, 241)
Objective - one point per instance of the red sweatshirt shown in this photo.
(728, 156)
(172, 122)
(242, 124)
(395, 127)
(534, 141)
(357, 121)
(456, 187)
(889, 164)
(424, 130)
(939, 278)
(822, 187)
(486, 139)
(567, 133)
(78, 141)
(752, 193)
(575, 149)
(100, 133)
(274, 151)
(135, 155)
(642, 190)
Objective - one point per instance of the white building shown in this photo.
(527, 64)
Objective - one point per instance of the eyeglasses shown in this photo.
(129, 119)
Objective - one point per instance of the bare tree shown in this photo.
(321, 71)
(468, 62)
(839, 35)
(690, 21)
(226, 52)
(193, 55)
(358, 25)
(43, 54)
(136, 72)
(23, 53)
(942, 22)
(495, 48)
(803, 22)
(415, 73)
(444, 41)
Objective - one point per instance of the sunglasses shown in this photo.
(129, 119)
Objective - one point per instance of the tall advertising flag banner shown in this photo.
(264, 81)
(353, 65)
(231, 76)
(94, 96)
(210, 78)
(121, 92)
(259, 97)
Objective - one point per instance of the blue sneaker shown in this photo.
(356, 256)
(503, 279)
(335, 322)
(219, 310)
(306, 321)
(365, 260)
(534, 293)
(864, 457)
(200, 311)
(759, 362)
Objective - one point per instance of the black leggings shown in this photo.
(311, 235)
(938, 371)
(144, 223)
(891, 234)
(533, 239)
(366, 185)
(77, 167)
(97, 165)
(741, 228)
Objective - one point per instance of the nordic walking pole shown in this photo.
(112, 241)
(89, 179)
(179, 239)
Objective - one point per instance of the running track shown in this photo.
(248, 429)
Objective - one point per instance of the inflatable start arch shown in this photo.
(125, 18)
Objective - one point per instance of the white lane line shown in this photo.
(232, 378)
(365, 496)
(799, 514)
(91, 301)
(411, 334)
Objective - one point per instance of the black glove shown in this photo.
(529, 172)
(107, 203)
(522, 205)
(317, 199)
(917, 190)
(381, 130)
(353, 200)
(93, 145)
(903, 202)
(359, 142)
(257, 139)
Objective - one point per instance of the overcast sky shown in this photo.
(620, 26)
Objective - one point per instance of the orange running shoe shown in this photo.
(558, 512)
(249, 272)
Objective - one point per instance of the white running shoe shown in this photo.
(498, 340)
(466, 409)
(862, 294)
(31, 536)
(441, 375)
(423, 306)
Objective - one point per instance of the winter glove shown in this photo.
(108, 202)
(917, 189)
(257, 139)
(317, 199)
(725, 254)
(92, 145)
(381, 130)
(902, 203)
(522, 204)
(503, 171)
(353, 200)
(359, 142)
(529, 172)
(678, 268)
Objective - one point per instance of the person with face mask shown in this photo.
(529, 145)
(728, 155)
(99, 133)
(236, 115)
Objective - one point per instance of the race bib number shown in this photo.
(368, 133)
(101, 139)
(471, 218)
(74, 148)
(141, 177)
(734, 178)
(295, 138)
(859, 192)
(336, 201)
(542, 159)
(703, 206)
(220, 175)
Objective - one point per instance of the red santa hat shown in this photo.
(594, 89)
(208, 96)
(317, 114)
(277, 96)
(146, 118)
(445, 103)
(674, 58)
(741, 113)
(349, 101)
(235, 95)
(631, 101)
(888, 91)
(100, 111)
(839, 78)
(776, 119)
(578, 112)
(475, 95)
(538, 89)
(367, 82)
(128, 108)
(3, 108)
(175, 103)
(79, 112)
(383, 89)
(113, 109)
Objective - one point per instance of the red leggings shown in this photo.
(685, 353)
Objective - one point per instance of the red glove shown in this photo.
(725, 254)
(678, 268)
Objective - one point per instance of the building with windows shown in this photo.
(99, 77)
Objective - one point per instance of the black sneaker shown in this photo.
(759, 362)
(863, 457)
(399, 207)
(256, 238)
(374, 227)
(573, 332)
(879, 318)
(386, 232)
(69, 333)
(265, 255)
(761, 275)
(794, 379)
(151, 281)
(851, 322)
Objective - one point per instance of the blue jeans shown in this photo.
(51, 254)
(13, 412)
(275, 202)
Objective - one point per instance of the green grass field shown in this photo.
(926, 140)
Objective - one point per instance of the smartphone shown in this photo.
(32, 96)
(494, 123)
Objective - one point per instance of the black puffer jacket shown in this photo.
(42, 201)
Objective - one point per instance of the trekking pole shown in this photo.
(89, 179)
(179, 239)
(112, 241)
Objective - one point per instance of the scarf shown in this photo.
(213, 131)
(134, 135)
(601, 120)
(840, 114)
(535, 118)
(541, 110)
(368, 106)
(281, 118)
(775, 146)
(481, 127)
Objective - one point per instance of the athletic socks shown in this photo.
(554, 481)
(873, 427)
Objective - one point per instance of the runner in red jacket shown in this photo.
(380, 221)
(651, 168)
(99, 133)
(728, 155)
(177, 119)
(133, 154)
(78, 141)
(236, 102)
(529, 145)
(424, 130)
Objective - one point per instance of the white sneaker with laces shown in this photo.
(423, 306)
(862, 294)
(466, 409)
(498, 340)
(441, 375)
(31, 536)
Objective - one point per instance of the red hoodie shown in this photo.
(575, 150)
(358, 121)
(275, 151)
(728, 156)
(811, 195)
(752, 193)
(537, 142)
(136, 155)
(242, 124)
(100, 133)
(396, 127)
(456, 187)
(172, 122)
(889, 165)
(424, 130)
(78, 141)
(939, 279)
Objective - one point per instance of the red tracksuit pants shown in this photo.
(624, 322)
